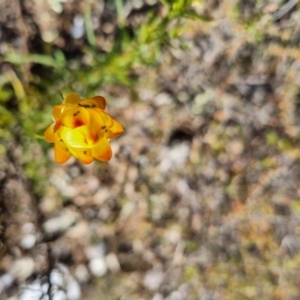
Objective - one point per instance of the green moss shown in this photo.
(272, 138)
(190, 273)
(191, 246)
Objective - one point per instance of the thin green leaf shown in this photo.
(33, 58)
(88, 25)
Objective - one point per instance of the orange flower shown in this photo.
(82, 128)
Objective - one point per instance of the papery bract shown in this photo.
(82, 128)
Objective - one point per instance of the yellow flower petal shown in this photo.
(85, 156)
(106, 118)
(57, 125)
(74, 117)
(49, 134)
(57, 111)
(72, 98)
(102, 151)
(88, 103)
(61, 152)
(82, 128)
(96, 123)
(101, 102)
(79, 138)
(75, 138)
(97, 101)
(115, 130)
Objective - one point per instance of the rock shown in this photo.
(73, 290)
(92, 184)
(163, 99)
(101, 196)
(21, 269)
(61, 223)
(203, 103)
(28, 241)
(79, 231)
(6, 281)
(235, 148)
(78, 27)
(32, 291)
(137, 4)
(28, 228)
(98, 266)
(153, 279)
(56, 278)
(173, 235)
(151, 2)
(175, 295)
(59, 295)
(291, 244)
(96, 251)
(158, 297)
(113, 262)
(82, 273)
(174, 157)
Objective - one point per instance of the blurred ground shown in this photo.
(201, 197)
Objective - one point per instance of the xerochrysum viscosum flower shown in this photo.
(82, 128)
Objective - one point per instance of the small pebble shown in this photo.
(21, 268)
(175, 295)
(158, 297)
(96, 251)
(113, 262)
(174, 157)
(73, 290)
(153, 279)
(32, 291)
(56, 278)
(98, 266)
(28, 241)
(65, 220)
(6, 280)
(78, 27)
(82, 273)
(59, 295)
